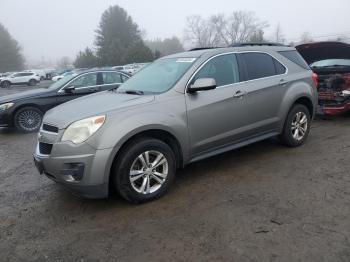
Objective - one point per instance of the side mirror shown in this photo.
(202, 84)
(69, 89)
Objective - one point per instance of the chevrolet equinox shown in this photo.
(180, 109)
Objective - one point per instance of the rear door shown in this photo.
(265, 84)
(111, 80)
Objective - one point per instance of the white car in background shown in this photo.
(131, 68)
(21, 78)
(39, 72)
(59, 77)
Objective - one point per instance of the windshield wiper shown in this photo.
(133, 92)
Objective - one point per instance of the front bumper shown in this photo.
(6, 119)
(333, 109)
(80, 168)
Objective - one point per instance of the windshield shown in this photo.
(331, 62)
(60, 83)
(159, 76)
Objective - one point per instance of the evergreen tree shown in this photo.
(119, 40)
(11, 58)
(85, 59)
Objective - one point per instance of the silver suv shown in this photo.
(180, 109)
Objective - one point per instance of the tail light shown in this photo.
(315, 79)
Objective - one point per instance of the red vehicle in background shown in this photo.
(331, 62)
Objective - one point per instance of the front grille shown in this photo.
(50, 128)
(45, 149)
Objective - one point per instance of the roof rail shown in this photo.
(257, 44)
(201, 48)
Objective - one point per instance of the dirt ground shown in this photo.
(263, 202)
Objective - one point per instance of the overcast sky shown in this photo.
(56, 28)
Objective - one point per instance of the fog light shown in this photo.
(73, 172)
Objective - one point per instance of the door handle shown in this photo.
(283, 82)
(238, 94)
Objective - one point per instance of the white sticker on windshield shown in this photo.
(185, 60)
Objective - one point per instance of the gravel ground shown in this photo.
(263, 202)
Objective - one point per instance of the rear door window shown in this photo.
(280, 69)
(260, 65)
(111, 78)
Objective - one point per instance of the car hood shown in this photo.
(318, 51)
(92, 105)
(22, 95)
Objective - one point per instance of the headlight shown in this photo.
(81, 130)
(6, 106)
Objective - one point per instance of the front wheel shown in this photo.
(297, 126)
(145, 170)
(28, 119)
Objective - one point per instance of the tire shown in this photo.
(158, 178)
(5, 84)
(42, 78)
(32, 82)
(297, 126)
(28, 119)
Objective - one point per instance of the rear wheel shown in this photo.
(297, 126)
(28, 119)
(5, 84)
(145, 170)
(32, 82)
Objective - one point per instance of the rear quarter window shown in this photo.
(295, 57)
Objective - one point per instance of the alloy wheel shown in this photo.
(5, 84)
(149, 172)
(299, 126)
(29, 120)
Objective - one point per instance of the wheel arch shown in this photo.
(306, 101)
(156, 133)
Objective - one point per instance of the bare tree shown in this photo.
(200, 32)
(64, 63)
(278, 36)
(222, 30)
(306, 38)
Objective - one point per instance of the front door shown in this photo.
(82, 85)
(216, 118)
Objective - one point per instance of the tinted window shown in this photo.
(295, 57)
(280, 69)
(259, 65)
(84, 81)
(224, 69)
(111, 78)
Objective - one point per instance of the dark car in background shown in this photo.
(331, 62)
(25, 110)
